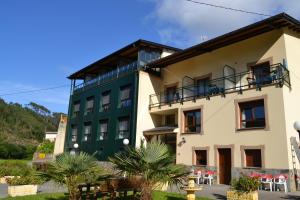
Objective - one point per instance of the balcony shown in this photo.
(106, 77)
(234, 82)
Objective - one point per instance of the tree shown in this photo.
(71, 170)
(153, 163)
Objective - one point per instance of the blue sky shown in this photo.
(42, 42)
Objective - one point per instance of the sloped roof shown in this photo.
(266, 25)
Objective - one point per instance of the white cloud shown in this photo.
(183, 23)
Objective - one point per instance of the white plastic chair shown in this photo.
(209, 177)
(266, 180)
(199, 177)
(280, 180)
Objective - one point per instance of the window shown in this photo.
(73, 133)
(252, 114)
(76, 109)
(192, 121)
(123, 128)
(170, 120)
(261, 73)
(89, 105)
(202, 86)
(253, 157)
(105, 102)
(103, 130)
(201, 157)
(87, 131)
(172, 94)
(125, 96)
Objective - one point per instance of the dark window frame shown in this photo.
(125, 133)
(105, 134)
(252, 106)
(105, 107)
(89, 109)
(253, 158)
(74, 137)
(89, 135)
(126, 102)
(195, 126)
(205, 152)
(76, 113)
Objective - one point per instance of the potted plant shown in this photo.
(244, 188)
(21, 186)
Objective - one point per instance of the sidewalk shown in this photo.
(219, 192)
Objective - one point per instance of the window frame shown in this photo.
(87, 109)
(76, 113)
(238, 114)
(105, 135)
(89, 135)
(123, 103)
(126, 131)
(74, 127)
(105, 107)
(244, 158)
(185, 120)
(194, 155)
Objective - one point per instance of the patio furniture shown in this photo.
(280, 180)
(199, 176)
(208, 177)
(266, 179)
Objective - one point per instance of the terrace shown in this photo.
(231, 81)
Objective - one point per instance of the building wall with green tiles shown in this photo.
(111, 145)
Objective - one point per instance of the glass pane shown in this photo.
(105, 99)
(125, 93)
(259, 112)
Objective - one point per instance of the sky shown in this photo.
(42, 42)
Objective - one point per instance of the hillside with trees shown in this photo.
(22, 128)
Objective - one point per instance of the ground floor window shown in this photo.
(201, 157)
(87, 131)
(123, 128)
(253, 158)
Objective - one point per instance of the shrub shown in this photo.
(29, 179)
(14, 168)
(245, 184)
(13, 151)
(46, 147)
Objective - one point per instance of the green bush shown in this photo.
(14, 168)
(46, 147)
(13, 151)
(24, 180)
(245, 184)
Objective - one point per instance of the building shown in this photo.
(229, 104)
(104, 99)
(51, 136)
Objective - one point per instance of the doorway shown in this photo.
(224, 165)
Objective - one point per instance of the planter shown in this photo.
(22, 190)
(235, 195)
(3, 179)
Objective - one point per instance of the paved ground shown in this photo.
(213, 192)
(48, 187)
(219, 192)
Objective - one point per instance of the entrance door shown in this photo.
(224, 166)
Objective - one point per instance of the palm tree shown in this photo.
(153, 163)
(71, 170)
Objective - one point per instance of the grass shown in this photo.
(157, 195)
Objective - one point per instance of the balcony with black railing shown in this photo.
(106, 77)
(276, 74)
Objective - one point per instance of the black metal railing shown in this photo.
(106, 77)
(278, 75)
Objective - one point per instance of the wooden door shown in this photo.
(224, 166)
